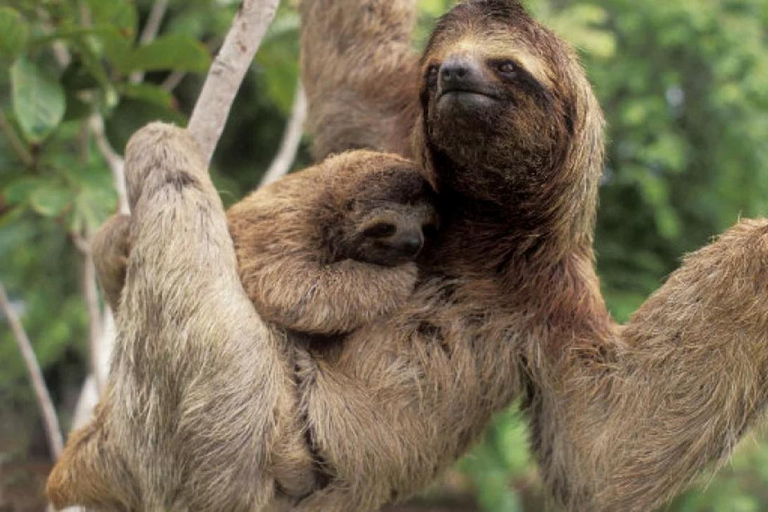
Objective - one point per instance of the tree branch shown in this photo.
(227, 72)
(151, 28)
(91, 295)
(115, 161)
(173, 80)
(50, 421)
(155, 19)
(286, 155)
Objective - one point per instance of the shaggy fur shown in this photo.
(507, 305)
(358, 54)
(198, 410)
(622, 417)
(306, 243)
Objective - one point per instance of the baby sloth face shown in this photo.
(390, 233)
(389, 217)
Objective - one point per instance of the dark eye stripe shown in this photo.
(432, 74)
(523, 79)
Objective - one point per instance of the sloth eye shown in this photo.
(506, 67)
(380, 230)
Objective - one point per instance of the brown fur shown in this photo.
(303, 249)
(622, 418)
(341, 44)
(508, 304)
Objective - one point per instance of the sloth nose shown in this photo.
(459, 73)
(408, 243)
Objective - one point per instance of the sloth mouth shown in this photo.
(467, 93)
(465, 102)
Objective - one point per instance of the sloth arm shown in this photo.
(285, 267)
(360, 74)
(111, 251)
(639, 418)
(197, 387)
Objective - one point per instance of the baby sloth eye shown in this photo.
(380, 230)
(506, 67)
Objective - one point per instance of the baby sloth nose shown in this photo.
(407, 242)
(459, 73)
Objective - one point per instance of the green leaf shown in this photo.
(18, 192)
(279, 58)
(120, 14)
(147, 92)
(15, 33)
(49, 201)
(38, 100)
(177, 52)
(120, 20)
(117, 48)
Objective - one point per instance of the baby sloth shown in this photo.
(343, 250)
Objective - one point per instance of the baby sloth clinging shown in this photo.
(343, 250)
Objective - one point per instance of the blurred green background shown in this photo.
(684, 84)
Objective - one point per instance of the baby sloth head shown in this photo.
(384, 213)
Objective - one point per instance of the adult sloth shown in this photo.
(509, 131)
(202, 414)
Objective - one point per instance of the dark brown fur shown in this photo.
(508, 303)
(622, 417)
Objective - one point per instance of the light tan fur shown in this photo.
(197, 411)
(507, 303)
(302, 246)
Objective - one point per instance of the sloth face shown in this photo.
(384, 211)
(390, 233)
(390, 218)
(494, 92)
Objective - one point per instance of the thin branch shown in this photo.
(86, 403)
(291, 139)
(115, 161)
(16, 144)
(51, 422)
(173, 80)
(151, 28)
(91, 294)
(89, 396)
(227, 72)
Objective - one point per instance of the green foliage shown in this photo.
(38, 100)
(684, 86)
(15, 33)
(177, 52)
